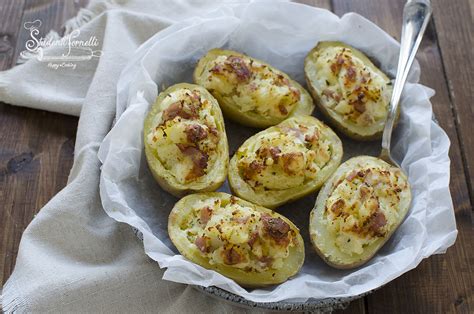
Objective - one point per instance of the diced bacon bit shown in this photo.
(232, 257)
(352, 175)
(253, 86)
(280, 80)
(239, 67)
(205, 214)
(217, 69)
(198, 158)
(359, 106)
(328, 93)
(266, 260)
(297, 131)
(290, 161)
(233, 199)
(369, 178)
(275, 152)
(331, 94)
(282, 109)
(336, 66)
(252, 169)
(376, 222)
(253, 238)
(362, 173)
(240, 220)
(178, 109)
(195, 96)
(350, 75)
(312, 137)
(366, 119)
(296, 92)
(272, 151)
(213, 130)
(337, 207)
(340, 60)
(385, 172)
(359, 102)
(201, 244)
(195, 133)
(276, 228)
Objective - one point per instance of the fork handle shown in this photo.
(416, 15)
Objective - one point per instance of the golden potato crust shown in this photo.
(357, 211)
(349, 89)
(248, 243)
(285, 162)
(250, 91)
(185, 140)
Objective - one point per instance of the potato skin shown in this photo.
(218, 174)
(341, 126)
(273, 199)
(317, 226)
(293, 262)
(252, 119)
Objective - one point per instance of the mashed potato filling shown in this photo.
(349, 88)
(364, 206)
(184, 135)
(232, 234)
(285, 158)
(252, 86)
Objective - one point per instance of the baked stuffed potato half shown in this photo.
(349, 89)
(285, 162)
(250, 91)
(245, 242)
(185, 141)
(357, 211)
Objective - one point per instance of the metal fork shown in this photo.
(416, 15)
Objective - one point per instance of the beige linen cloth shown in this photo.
(73, 257)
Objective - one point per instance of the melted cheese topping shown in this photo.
(364, 206)
(236, 235)
(349, 88)
(253, 86)
(184, 135)
(285, 158)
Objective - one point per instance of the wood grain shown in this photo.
(11, 11)
(36, 147)
(430, 288)
(455, 30)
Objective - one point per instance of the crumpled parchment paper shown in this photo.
(281, 34)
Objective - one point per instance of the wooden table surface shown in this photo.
(36, 147)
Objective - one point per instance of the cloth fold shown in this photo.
(73, 257)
